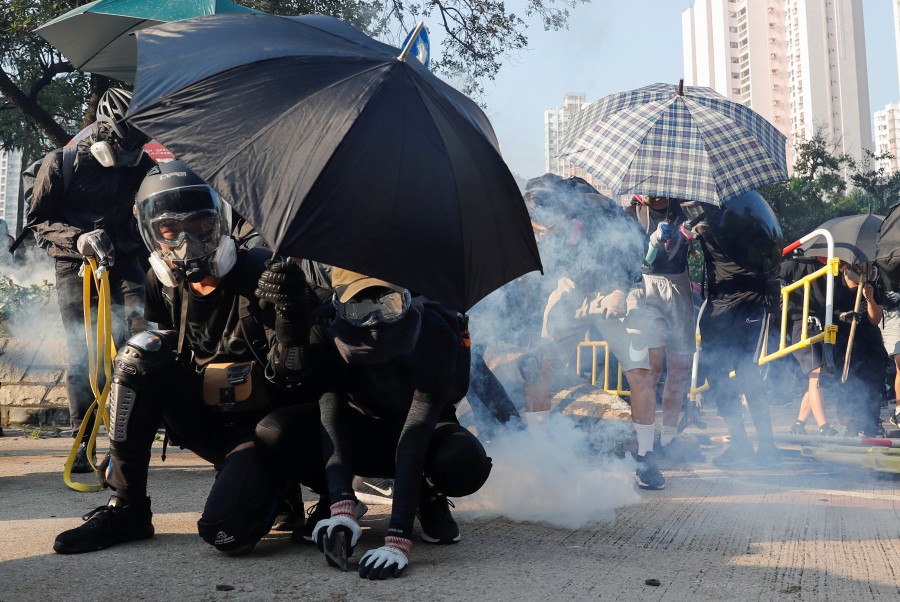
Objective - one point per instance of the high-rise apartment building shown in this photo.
(799, 63)
(10, 170)
(887, 136)
(555, 121)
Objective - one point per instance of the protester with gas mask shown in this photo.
(230, 348)
(85, 210)
(741, 244)
(391, 367)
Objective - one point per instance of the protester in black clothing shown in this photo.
(860, 398)
(391, 368)
(91, 216)
(230, 348)
(741, 247)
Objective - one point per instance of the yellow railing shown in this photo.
(829, 331)
(593, 345)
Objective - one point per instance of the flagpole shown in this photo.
(412, 40)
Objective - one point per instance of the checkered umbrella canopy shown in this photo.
(677, 141)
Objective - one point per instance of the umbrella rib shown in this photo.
(127, 32)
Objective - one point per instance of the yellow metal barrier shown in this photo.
(593, 345)
(829, 332)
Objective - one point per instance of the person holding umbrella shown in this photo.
(90, 215)
(230, 348)
(741, 245)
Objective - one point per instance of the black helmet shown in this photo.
(746, 229)
(183, 221)
(111, 110)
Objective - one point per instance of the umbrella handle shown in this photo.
(859, 290)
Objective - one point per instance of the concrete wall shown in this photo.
(32, 387)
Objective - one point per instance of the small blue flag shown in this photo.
(421, 48)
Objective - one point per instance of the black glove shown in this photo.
(96, 243)
(284, 285)
(850, 317)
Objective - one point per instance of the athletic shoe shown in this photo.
(320, 511)
(895, 420)
(80, 464)
(648, 473)
(374, 491)
(435, 519)
(826, 430)
(290, 515)
(735, 455)
(116, 522)
(767, 456)
(798, 428)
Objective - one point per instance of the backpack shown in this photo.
(459, 323)
(887, 244)
(29, 175)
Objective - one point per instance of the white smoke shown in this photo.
(552, 473)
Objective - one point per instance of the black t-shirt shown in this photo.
(213, 323)
(728, 283)
(671, 260)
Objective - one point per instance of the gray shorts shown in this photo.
(665, 313)
(625, 337)
(890, 331)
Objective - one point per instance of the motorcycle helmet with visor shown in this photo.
(184, 223)
(365, 301)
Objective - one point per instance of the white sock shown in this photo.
(667, 434)
(897, 410)
(645, 434)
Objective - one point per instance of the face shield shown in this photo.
(184, 224)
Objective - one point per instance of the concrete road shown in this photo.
(802, 531)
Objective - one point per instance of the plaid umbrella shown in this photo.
(676, 141)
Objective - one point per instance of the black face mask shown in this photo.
(377, 343)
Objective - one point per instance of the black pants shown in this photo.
(455, 461)
(126, 282)
(858, 401)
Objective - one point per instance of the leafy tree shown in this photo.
(43, 100)
(882, 188)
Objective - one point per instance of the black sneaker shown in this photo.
(826, 430)
(735, 455)
(798, 428)
(80, 464)
(320, 511)
(434, 516)
(895, 420)
(648, 473)
(290, 515)
(373, 490)
(767, 456)
(116, 522)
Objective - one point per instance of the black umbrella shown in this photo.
(854, 238)
(336, 150)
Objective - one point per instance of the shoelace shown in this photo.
(96, 511)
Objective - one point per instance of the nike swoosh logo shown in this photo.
(749, 321)
(635, 354)
(385, 492)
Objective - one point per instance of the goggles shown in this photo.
(384, 306)
(172, 229)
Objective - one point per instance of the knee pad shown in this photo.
(242, 505)
(142, 357)
(456, 463)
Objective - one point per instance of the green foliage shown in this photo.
(44, 100)
(17, 301)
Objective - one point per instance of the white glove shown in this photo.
(97, 244)
(386, 561)
(326, 526)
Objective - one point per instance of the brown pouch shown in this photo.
(234, 386)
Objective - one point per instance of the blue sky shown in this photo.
(615, 45)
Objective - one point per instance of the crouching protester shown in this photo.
(393, 368)
(224, 356)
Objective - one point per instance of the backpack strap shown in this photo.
(252, 329)
(68, 164)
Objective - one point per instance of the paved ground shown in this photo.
(802, 531)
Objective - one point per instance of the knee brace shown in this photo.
(242, 505)
(145, 355)
(456, 463)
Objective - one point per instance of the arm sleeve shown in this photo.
(435, 367)
(47, 198)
